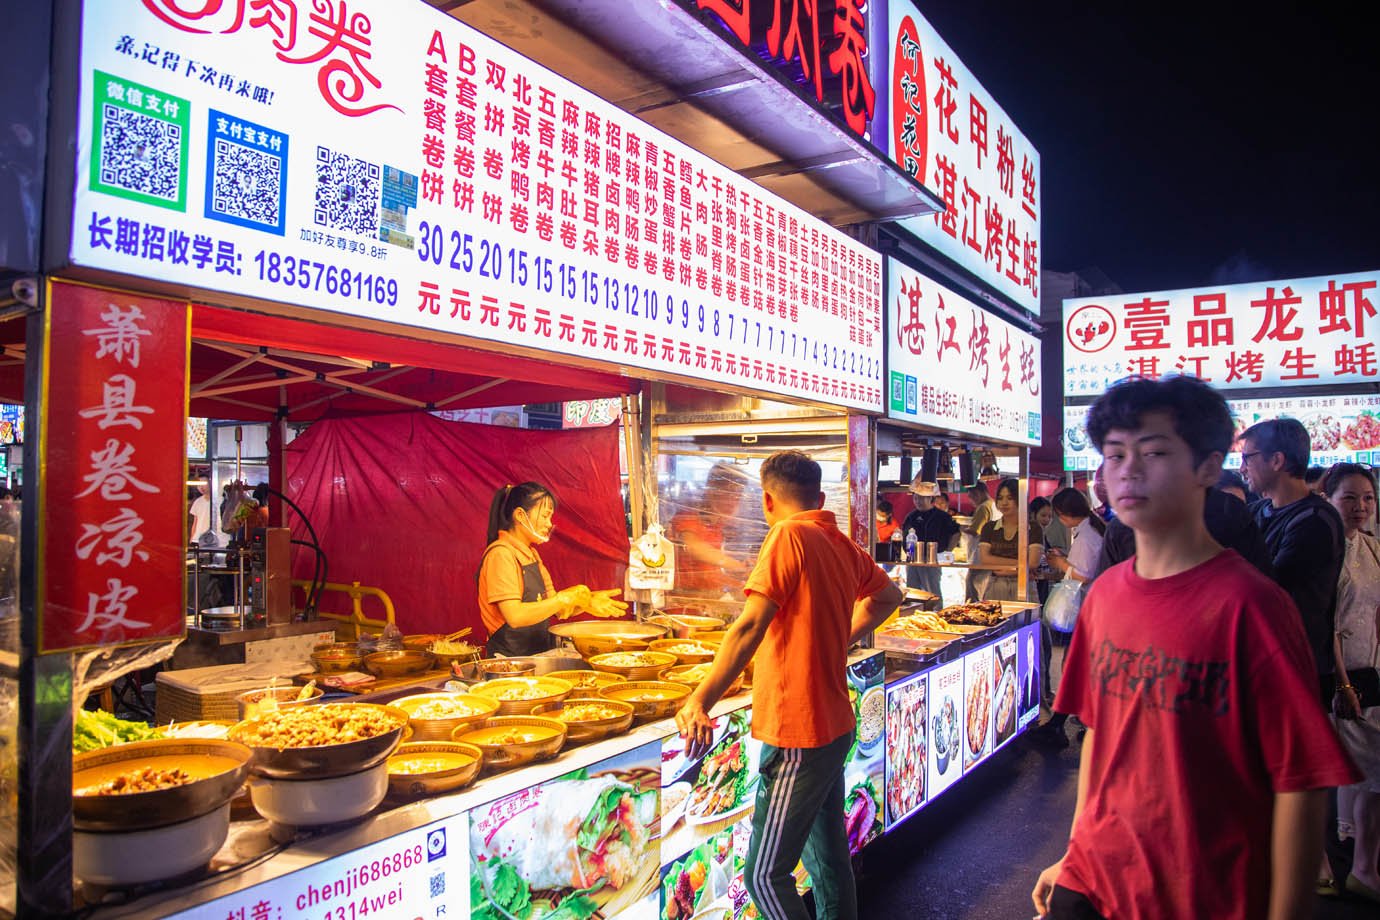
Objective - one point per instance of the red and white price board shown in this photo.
(114, 407)
(1310, 331)
(384, 160)
(951, 135)
(955, 366)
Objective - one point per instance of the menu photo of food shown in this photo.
(907, 724)
(944, 762)
(864, 770)
(579, 847)
(698, 884)
(702, 795)
(1004, 698)
(1028, 673)
(977, 709)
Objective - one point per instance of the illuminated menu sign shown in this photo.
(826, 45)
(1310, 331)
(385, 161)
(953, 365)
(948, 133)
(1341, 429)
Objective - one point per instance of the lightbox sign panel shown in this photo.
(948, 133)
(1341, 429)
(955, 366)
(824, 48)
(1309, 331)
(385, 161)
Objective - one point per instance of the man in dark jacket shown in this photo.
(931, 526)
(1228, 520)
(1302, 530)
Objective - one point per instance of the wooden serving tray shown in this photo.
(376, 685)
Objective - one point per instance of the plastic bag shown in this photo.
(1061, 609)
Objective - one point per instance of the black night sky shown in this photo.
(1183, 145)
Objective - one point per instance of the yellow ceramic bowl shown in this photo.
(514, 741)
(435, 716)
(634, 665)
(692, 675)
(406, 663)
(651, 699)
(581, 727)
(518, 696)
(586, 682)
(687, 651)
(432, 767)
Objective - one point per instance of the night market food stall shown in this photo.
(496, 235)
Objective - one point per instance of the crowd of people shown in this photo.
(1223, 668)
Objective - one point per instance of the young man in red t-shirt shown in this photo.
(1203, 777)
(812, 594)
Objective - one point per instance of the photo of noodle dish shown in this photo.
(575, 848)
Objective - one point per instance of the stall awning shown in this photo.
(245, 366)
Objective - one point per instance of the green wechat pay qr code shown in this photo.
(139, 142)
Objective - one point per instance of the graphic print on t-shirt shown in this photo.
(1162, 681)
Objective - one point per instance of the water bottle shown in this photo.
(898, 548)
(910, 545)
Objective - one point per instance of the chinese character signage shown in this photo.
(114, 408)
(1341, 429)
(824, 47)
(948, 133)
(952, 365)
(1310, 331)
(385, 161)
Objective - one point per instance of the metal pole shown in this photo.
(43, 857)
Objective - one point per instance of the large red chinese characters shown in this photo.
(328, 34)
(113, 442)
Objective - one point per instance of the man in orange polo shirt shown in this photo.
(812, 594)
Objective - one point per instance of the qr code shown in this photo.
(347, 193)
(247, 184)
(140, 153)
(438, 884)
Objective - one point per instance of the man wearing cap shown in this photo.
(931, 526)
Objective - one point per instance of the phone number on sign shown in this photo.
(310, 275)
(463, 252)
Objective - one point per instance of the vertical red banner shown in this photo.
(113, 446)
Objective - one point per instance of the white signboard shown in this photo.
(955, 366)
(950, 134)
(421, 873)
(384, 160)
(1310, 331)
(1341, 429)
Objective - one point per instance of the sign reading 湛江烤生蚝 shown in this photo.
(114, 406)
(386, 161)
(952, 136)
(1305, 332)
(955, 366)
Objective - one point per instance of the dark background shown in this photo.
(1187, 145)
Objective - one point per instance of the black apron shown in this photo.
(524, 640)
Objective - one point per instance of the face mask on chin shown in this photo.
(536, 537)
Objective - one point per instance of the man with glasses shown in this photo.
(1302, 531)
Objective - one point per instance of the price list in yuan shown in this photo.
(387, 162)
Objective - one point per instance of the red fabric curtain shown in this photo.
(401, 502)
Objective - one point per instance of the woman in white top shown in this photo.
(1085, 536)
(1351, 490)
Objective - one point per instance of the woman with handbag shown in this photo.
(1351, 490)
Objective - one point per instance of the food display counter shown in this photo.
(628, 826)
(625, 827)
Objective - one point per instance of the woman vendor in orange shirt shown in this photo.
(517, 599)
